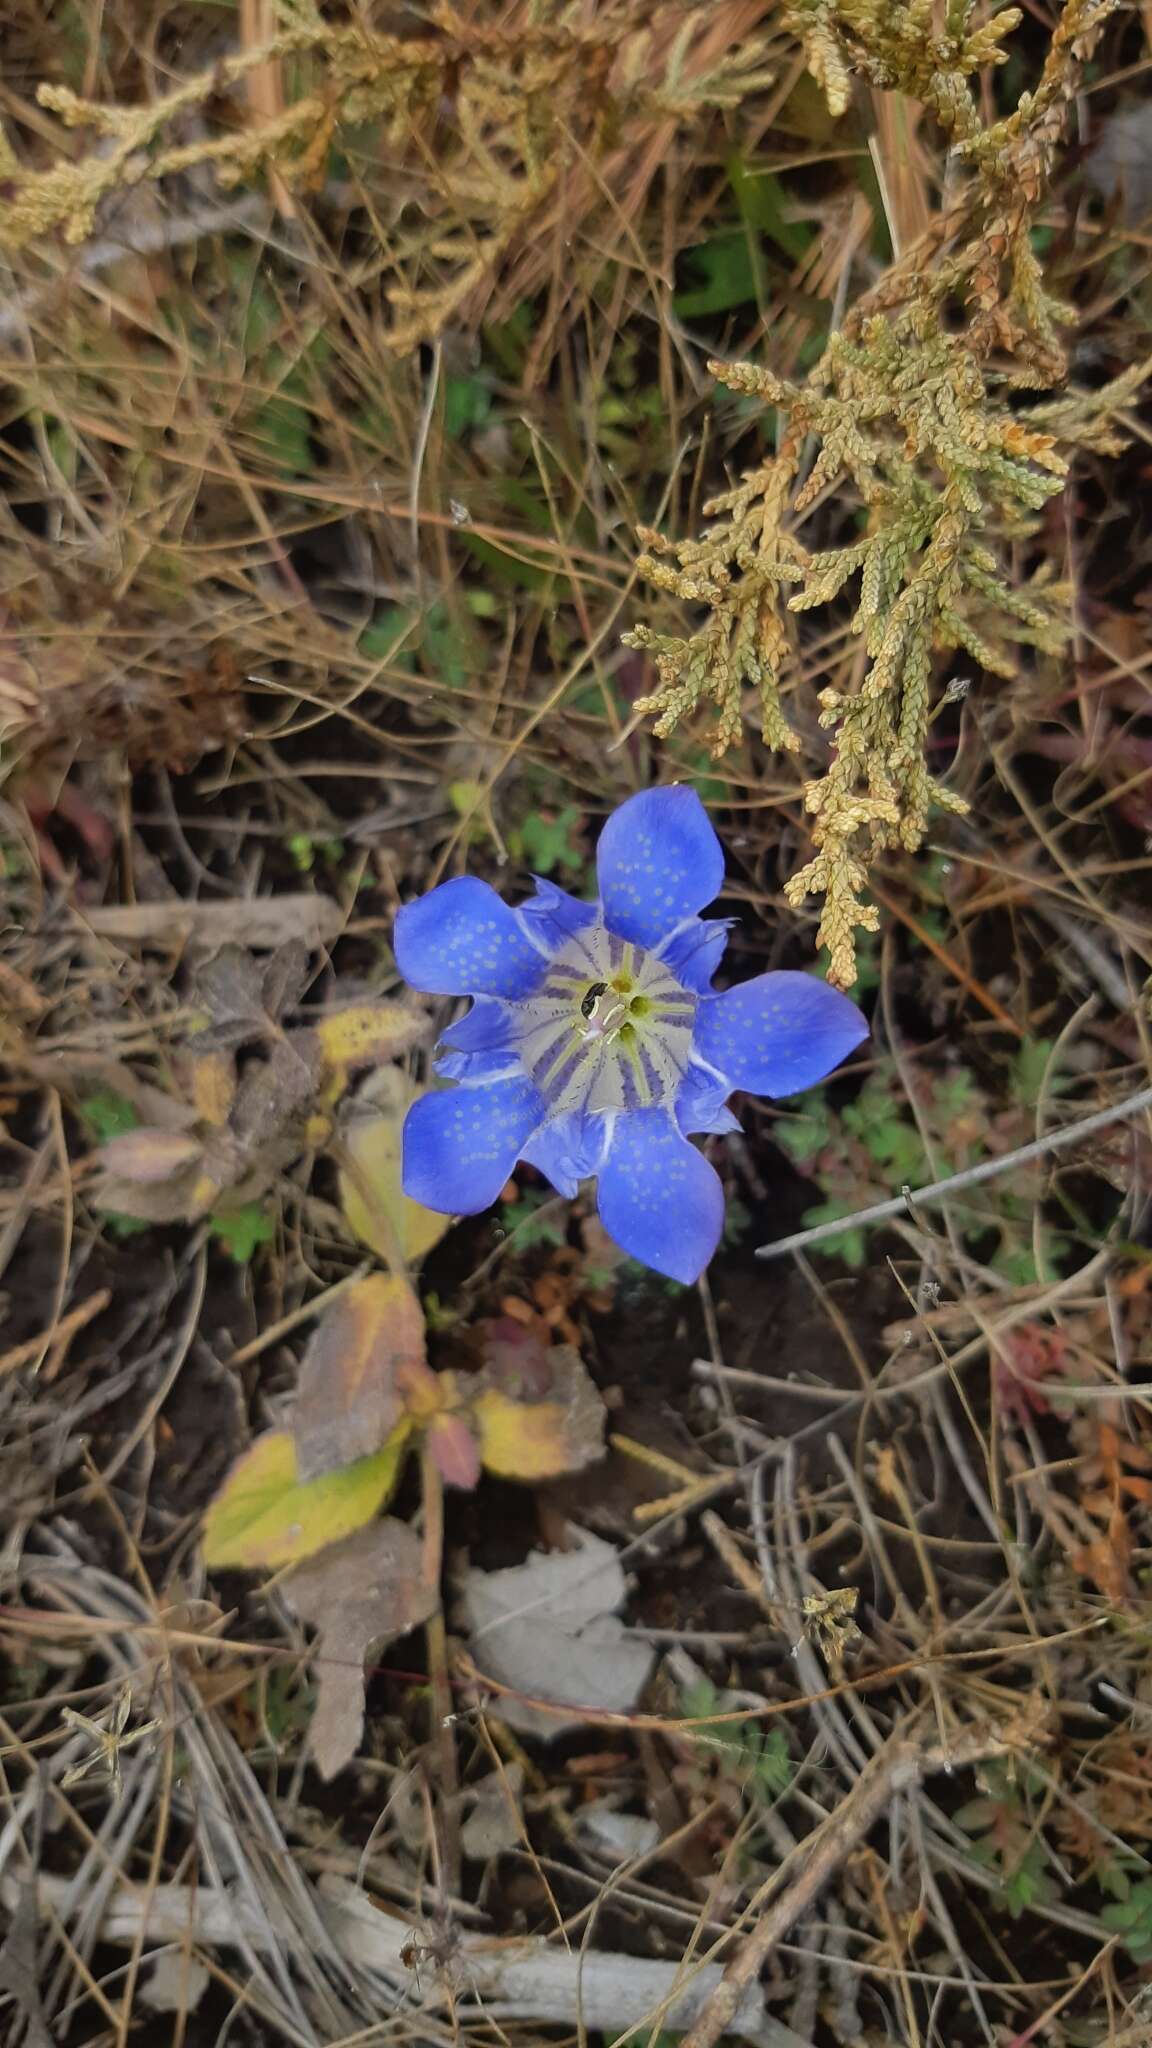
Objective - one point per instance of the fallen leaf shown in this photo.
(494, 1825)
(359, 1595)
(258, 921)
(245, 998)
(371, 1196)
(558, 1427)
(182, 1199)
(176, 1982)
(618, 1837)
(148, 1156)
(348, 1400)
(265, 1514)
(549, 1629)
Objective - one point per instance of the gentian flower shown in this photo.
(595, 1047)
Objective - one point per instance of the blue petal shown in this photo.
(553, 915)
(694, 953)
(659, 1198)
(701, 1103)
(463, 940)
(460, 1146)
(779, 1033)
(481, 1043)
(568, 1149)
(487, 1024)
(659, 861)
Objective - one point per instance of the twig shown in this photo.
(909, 1198)
(51, 1345)
(436, 1641)
(897, 1769)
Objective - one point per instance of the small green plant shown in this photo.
(241, 1230)
(756, 1761)
(549, 841)
(1007, 1838)
(1130, 1913)
(878, 1144)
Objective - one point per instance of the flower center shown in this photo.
(610, 1028)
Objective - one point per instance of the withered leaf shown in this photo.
(272, 1091)
(244, 997)
(149, 1155)
(349, 1398)
(359, 1594)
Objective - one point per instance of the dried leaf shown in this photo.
(559, 1428)
(245, 998)
(263, 922)
(176, 1983)
(265, 1514)
(148, 1155)
(494, 1825)
(183, 1199)
(372, 1199)
(273, 1091)
(549, 1629)
(349, 1399)
(359, 1594)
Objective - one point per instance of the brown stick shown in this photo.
(821, 1854)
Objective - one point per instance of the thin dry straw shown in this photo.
(909, 1199)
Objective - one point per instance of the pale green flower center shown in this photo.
(609, 1029)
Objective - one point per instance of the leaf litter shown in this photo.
(222, 540)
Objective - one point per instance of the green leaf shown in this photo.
(546, 841)
(849, 1245)
(107, 1115)
(467, 403)
(241, 1230)
(512, 568)
(762, 202)
(726, 276)
(391, 637)
(808, 1132)
(1028, 1070)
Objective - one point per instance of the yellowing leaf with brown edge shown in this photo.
(373, 1201)
(542, 1438)
(366, 1033)
(265, 1514)
(349, 1398)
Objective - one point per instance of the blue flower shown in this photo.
(595, 1047)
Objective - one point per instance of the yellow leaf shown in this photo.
(264, 1514)
(211, 1084)
(527, 1439)
(373, 1201)
(368, 1032)
(535, 1410)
